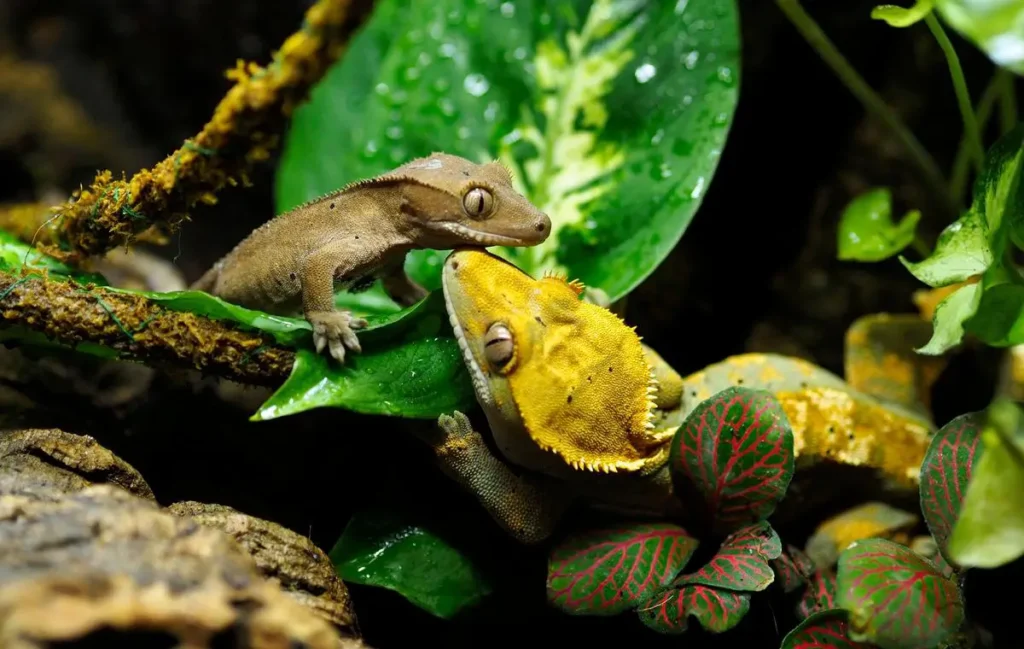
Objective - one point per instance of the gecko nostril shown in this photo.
(541, 226)
(455, 265)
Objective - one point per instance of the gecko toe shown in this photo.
(337, 350)
(351, 340)
(320, 341)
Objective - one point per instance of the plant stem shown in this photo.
(872, 102)
(1008, 101)
(958, 179)
(963, 96)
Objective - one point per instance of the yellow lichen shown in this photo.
(245, 127)
(135, 328)
(832, 424)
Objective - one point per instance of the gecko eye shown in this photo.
(478, 202)
(498, 345)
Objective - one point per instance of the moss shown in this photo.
(138, 329)
(246, 126)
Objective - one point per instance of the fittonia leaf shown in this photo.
(820, 594)
(606, 572)
(792, 569)
(946, 471)
(742, 561)
(896, 599)
(717, 610)
(733, 457)
(553, 90)
(828, 629)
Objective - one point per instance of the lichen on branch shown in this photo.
(246, 126)
(135, 328)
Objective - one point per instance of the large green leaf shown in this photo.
(553, 89)
(608, 571)
(995, 26)
(381, 548)
(410, 366)
(896, 598)
(989, 531)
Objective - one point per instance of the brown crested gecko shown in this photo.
(361, 233)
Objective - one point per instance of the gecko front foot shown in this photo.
(457, 434)
(336, 331)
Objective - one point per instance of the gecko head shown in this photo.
(564, 375)
(452, 201)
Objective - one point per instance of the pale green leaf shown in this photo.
(990, 529)
(950, 316)
(897, 16)
(962, 252)
(867, 231)
(995, 26)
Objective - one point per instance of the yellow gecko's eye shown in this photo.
(478, 202)
(498, 345)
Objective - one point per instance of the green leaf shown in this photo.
(819, 596)
(716, 610)
(553, 89)
(410, 366)
(606, 572)
(17, 256)
(961, 252)
(950, 316)
(896, 599)
(999, 318)
(793, 569)
(945, 473)
(827, 629)
(733, 457)
(995, 26)
(742, 561)
(867, 231)
(970, 245)
(989, 531)
(379, 548)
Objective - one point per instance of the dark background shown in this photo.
(755, 271)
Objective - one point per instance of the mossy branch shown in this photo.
(135, 328)
(246, 126)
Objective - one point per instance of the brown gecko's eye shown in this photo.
(478, 202)
(498, 345)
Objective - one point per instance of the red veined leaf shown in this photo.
(819, 596)
(606, 572)
(823, 630)
(896, 598)
(945, 471)
(733, 457)
(793, 569)
(716, 610)
(741, 562)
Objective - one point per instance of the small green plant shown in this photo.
(884, 594)
(731, 462)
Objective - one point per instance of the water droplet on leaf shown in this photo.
(476, 84)
(645, 73)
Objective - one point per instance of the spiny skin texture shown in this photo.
(569, 394)
(531, 344)
(363, 232)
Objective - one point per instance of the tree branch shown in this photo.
(135, 328)
(244, 128)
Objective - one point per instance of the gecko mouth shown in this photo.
(484, 238)
(483, 393)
